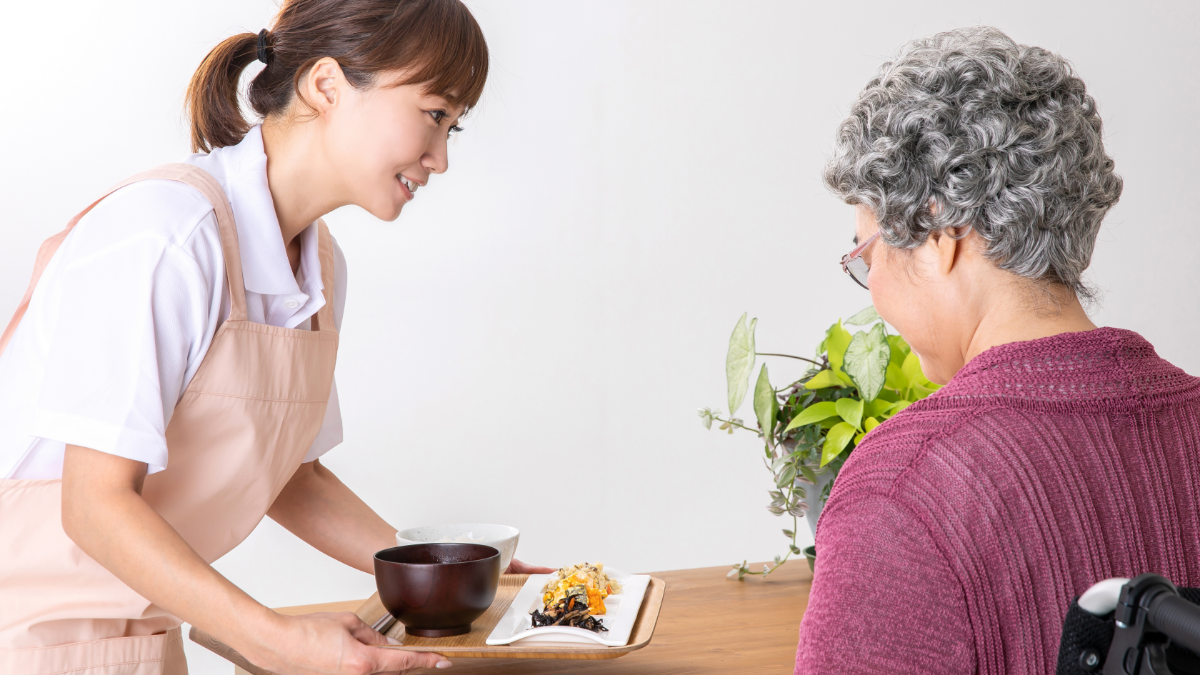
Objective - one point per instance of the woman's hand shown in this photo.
(333, 643)
(518, 567)
(104, 513)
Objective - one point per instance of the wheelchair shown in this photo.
(1139, 626)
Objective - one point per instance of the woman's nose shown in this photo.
(436, 160)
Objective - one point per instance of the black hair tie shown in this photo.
(262, 45)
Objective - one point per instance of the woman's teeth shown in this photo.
(411, 185)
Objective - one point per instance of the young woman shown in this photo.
(168, 379)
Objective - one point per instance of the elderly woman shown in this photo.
(1058, 453)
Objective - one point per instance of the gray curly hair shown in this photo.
(968, 128)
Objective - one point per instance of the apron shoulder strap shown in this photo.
(193, 176)
(324, 317)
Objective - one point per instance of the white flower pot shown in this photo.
(813, 496)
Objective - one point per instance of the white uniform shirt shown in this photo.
(125, 312)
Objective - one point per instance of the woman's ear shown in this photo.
(947, 245)
(324, 85)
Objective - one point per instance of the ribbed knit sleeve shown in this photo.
(884, 599)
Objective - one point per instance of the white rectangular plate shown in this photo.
(622, 608)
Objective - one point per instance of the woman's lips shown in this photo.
(408, 194)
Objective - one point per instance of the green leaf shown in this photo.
(836, 341)
(739, 363)
(851, 410)
(901, 406)
(895, 377)
(846, 381)
(813, 413)
(900, 349)
(789, 534)
(867, 359)
(866, 316)
(836, 440)
(921, 391)
(823, 379)
(786, 477)
(870, 424)
(858, 438)
(912, 370)
(809, 474)
(877, 408)
(766, 407)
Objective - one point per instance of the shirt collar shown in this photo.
(309, 275)
(242, 171)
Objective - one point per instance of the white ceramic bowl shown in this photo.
(501, 537)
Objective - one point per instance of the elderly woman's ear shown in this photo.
(946, 249)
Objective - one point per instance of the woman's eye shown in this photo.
(455, 129)
(438, 115)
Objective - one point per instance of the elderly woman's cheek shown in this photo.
(899, 305)
(884, 296)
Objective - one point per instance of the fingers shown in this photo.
(388, 660)
(361, 631)
(401, 661)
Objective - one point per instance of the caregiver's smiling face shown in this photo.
(385, 141)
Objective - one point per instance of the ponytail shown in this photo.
(437, 43)
(212, 95)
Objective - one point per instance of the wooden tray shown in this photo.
(473, 644)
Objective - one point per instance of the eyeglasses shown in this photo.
(855, 266)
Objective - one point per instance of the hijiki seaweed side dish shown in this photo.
(571, 611)
(573, 595)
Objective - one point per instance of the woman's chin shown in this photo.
(389, 211)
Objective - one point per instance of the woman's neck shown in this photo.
(299, 190)
(1027, 311)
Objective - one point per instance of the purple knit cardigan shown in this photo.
(959, 531)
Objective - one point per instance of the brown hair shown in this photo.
(437, 41)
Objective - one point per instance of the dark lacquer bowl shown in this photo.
(437, 590)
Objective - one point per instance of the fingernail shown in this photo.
(444, 664)
(392, 640)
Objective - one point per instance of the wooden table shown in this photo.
(708, 624)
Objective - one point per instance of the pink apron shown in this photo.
(237, 436)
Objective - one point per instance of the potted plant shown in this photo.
(809, 427)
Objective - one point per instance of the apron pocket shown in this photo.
(143, 655)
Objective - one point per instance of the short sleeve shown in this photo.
(884, 599)
(330, 434)
(131, 310)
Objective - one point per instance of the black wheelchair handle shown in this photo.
(1176, 618)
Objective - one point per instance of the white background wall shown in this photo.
(558, 305)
